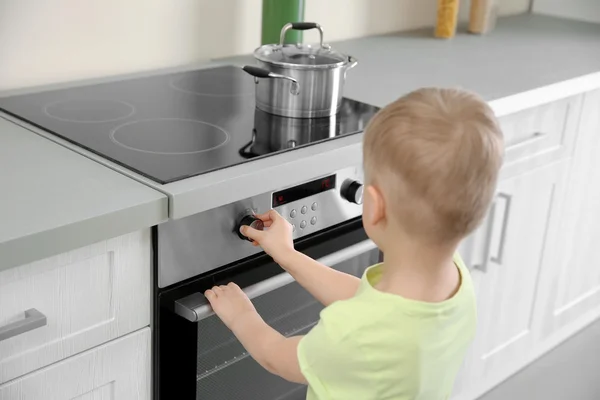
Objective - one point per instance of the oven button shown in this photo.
(302, 224)
(353, 191)
(313, 220)
(304, 210)
(293, 228)
(314, 206)
(251, 221)
(293, 214)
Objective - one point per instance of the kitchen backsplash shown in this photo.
(52, 41)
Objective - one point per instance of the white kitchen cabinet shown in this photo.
(118, 370)
(81, 299)
(570, 284)
(505, 256)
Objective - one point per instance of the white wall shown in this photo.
(45, 41)
(584, 10)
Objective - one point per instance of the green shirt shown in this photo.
(378, 345)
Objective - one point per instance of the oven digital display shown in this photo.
(305, 190)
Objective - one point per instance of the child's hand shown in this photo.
(230, 303)
(276, 240)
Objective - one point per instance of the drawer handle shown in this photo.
(33, 320)
(537, 136)
(195, 307)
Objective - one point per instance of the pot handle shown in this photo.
(258, 72)
(352, 62)
(301, 26)
(247, 151)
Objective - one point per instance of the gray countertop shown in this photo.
(526, 61)
(54, 200)
(523, 53)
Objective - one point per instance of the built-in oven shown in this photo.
(195, 355)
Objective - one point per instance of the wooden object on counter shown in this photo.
(482, 18)
(447, 16)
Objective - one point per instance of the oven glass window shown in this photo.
(226, 372)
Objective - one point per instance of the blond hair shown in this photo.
(435, 154)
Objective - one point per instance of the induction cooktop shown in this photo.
(174, 126)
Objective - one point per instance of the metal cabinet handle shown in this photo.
(488, 239)
(195, 307)
(507, 202)
(33, 320)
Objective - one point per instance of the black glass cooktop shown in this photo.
(174, 126)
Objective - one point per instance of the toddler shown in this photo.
(431, 161)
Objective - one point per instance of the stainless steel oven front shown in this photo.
(195, 355)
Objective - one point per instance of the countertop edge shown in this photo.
(40, 245)
(545, 94)
(283, 170)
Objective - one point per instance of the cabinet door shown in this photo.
(505, 255)
(72, 302)
(570, 285)
(118, 370)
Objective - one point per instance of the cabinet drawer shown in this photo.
(119, 370)
(60, 306)
(547, 131)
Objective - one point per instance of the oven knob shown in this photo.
(353, 192)
(250, 221)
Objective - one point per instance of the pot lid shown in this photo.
(300, 54)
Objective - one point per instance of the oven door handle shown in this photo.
(195, 307)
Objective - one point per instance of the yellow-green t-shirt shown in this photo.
(379, 346)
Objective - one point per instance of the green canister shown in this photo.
(277, 13)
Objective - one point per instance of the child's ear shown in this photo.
(374, 205)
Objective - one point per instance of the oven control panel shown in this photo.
(202, 242)
(317, 204)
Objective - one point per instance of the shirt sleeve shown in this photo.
(325, 355)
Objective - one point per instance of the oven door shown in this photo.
(199, 358)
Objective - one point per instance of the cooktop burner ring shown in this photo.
(173, 83)
(217, 136)
(121, 110)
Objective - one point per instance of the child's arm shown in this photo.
(273, 351)
(325, 284)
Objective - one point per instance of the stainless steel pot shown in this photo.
(300, 80)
